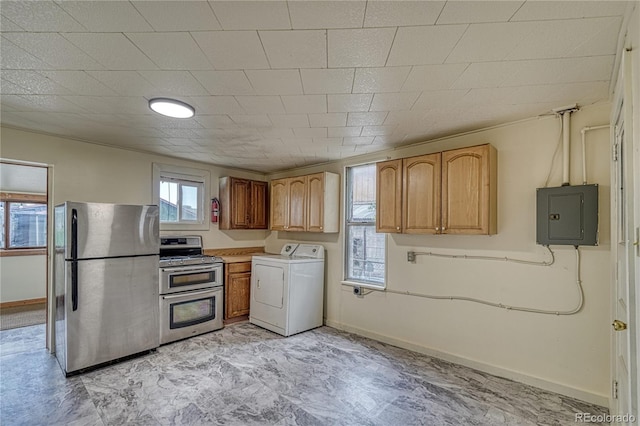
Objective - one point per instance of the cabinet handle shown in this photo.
(321, 227)
(397, 228)
(437, 228)
(443, 228)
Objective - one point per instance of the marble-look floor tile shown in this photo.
(244, 375)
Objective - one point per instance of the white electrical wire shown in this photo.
(510, 307)
(555, 153)
(506, 259)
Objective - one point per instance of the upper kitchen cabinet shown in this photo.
(389, 196)
(450, 192)
(305, 203)
(243, 204)
(469, 190)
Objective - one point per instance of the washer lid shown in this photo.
(309, 251)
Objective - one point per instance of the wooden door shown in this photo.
(240, 202)
(421, 194)
(237, 289)
(468, 190)
(297, 204)
(258, 205)
(279, 204)
(389, 196)
(315, 202)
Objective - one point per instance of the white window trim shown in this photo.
(352, 282)
(189, 174)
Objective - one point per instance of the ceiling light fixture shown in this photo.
(171, 108)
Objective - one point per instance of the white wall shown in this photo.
(96, 173)
(568, 354)
(23, 277)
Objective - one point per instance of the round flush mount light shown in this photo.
(171, 108)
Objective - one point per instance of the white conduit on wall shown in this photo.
(584, 151)
(501, 305)
(566, 144)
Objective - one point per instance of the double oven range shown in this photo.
(191, 289)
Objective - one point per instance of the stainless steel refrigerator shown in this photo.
(106, 282)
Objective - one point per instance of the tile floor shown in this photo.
(244, 375)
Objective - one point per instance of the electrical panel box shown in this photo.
(567, 215)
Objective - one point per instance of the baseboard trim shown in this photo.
(582, 395)
(23, 302)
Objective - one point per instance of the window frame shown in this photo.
(9, 198)
(186, 175)
(346, 242)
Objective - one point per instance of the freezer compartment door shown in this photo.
(117, 310)
(109, 230)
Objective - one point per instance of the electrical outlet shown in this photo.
(411, 256)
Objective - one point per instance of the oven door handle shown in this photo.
(190, 269)
(191, 294)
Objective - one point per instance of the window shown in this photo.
(181, 194)
(366, 249)
(23, 221)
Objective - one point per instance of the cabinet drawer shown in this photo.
(233, 268)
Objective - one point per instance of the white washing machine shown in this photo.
(287, 290)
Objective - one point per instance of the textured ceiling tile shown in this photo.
(214, 121)
(15, 58)
(232, 50)
(424, 45)
(53, 49)
(124, 82)
(359, 48)
(305, 104)
(174, 83)
(113, 50)
(366, 118)
(319, 81)
(261, 104)
(486, 74)
(358, 140)
(378, 130)
(314, 132)
(224, 82)
(254, 120)
(295, 49)
(393, 101)
(341, 132)
(573, 38)
(433, 77)
(217, 105)
(47, 103)
(260, 15)
(462, 12)
(544, 10)
(326, 14)
(551, 71)
(275, 82)
(277, 132)
(289, 120)
(334, 119)
(349, 103)
(438, 99)
(80, 82)
(171, 51)
(35, 83)
(8, 26)
(39, 16)
(402, 13)
(8, 88)
(106, 16)
(490, 42)
(178, 15)
(388, 79)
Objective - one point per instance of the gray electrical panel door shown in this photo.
(567, 215)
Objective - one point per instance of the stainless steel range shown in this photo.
(191, 289)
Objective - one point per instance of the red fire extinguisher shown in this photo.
(215, 210)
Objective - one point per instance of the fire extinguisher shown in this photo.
(215, 210)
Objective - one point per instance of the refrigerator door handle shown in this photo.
(74, 259)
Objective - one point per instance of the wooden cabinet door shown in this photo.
(258, 204)
(297, 204)
(421, 194)
(315, 202)
(389, 196)
(279, 204)
(468, 193)
(237, 289)
(240, 202)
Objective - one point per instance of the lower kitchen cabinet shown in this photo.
(237, 286)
